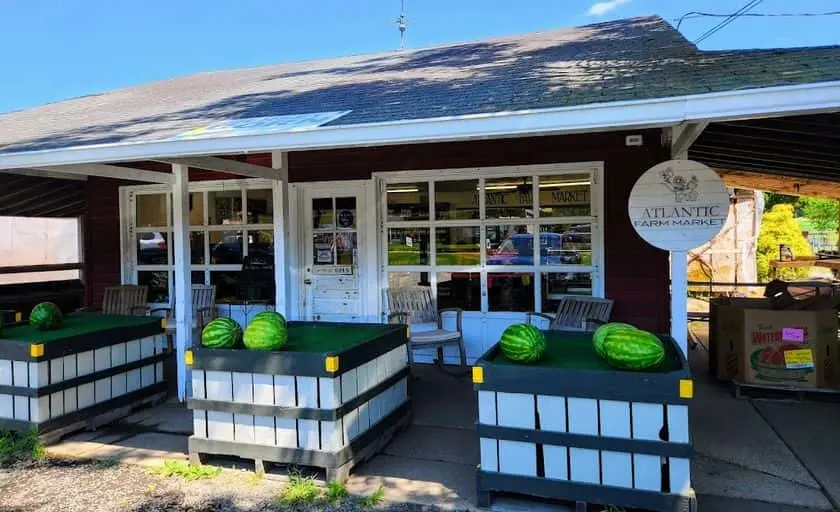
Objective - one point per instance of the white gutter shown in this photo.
(730, 105)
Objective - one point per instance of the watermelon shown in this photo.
(601, 333)
(221, 333)
(45, 316)
(274, 315)
(265, 333)
(633, 350)
(523, 343)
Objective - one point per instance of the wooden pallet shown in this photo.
(768, 391)
(333, 474)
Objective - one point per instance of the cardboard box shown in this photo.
(757, 344)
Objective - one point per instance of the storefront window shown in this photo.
(225, 207)
(261, 245)
(150, 210)
(197, 239)
(196, 208)
(260, 206)
(227, 285)
(152, 248)
(197, 277)
(158, 283)
(226, 247)
(408, 201)
(493, 236)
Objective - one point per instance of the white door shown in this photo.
(336, 219)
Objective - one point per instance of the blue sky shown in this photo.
(56, 49)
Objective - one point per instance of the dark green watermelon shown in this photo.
(633, 350)
(265, 333)
(523, 343)
(601, 333)
(45, 316)
(221, 333)
(273, 315)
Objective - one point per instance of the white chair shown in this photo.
(203, 304)
(414, 306)
(577, 313)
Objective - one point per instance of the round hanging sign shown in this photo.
(678, 205)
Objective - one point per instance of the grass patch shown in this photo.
(185, 470)
(336, 491)
(374, 499)
(301, 490)
(20, 446)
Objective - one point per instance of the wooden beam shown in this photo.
(780, 184)
(44, 174)
(229, 166)
(685, 136)
(113, 171)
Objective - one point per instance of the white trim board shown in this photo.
(636, 114)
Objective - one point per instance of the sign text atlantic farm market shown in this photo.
(678, 205)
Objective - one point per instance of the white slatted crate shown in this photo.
(59, 380)
(325, 408)
(556, 431)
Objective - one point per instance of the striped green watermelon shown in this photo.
(221, 333)
(523, 343)
(633, 350)
(601, 332)
(265, 333)
(45, 316)
(274, 315)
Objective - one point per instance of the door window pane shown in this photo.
(345, 208)
(406, 279)
(345, 248)
(509, 198)
(456, 200)
(322, 213)
(227, 285)
(408, 201)
(458, 245)
(509, 244)
(225, 207)
(197, 247)
(565, 196)
(408, 246)
(225, 247)
(323, 249)
(260, 207)
(158, 283)
(196, 208)
(510, 291)
(566, 244)
(152, 248)
(557, 284)
(261, 246)
(459, 290)
(150, 210)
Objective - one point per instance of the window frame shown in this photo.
(482, 174)
(129, 230)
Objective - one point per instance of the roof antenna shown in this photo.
(401, 24)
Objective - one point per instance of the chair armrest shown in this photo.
(545, 316)
(458, 314)
(402, 317)
(140, 310)
(163, 308)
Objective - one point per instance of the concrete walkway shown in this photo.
(767, 456)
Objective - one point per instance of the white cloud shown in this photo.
(601, 8)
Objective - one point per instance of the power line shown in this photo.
(729, 19)
(696, 14)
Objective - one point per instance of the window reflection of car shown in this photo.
(229, 250)
(152, 248)
(518, 249)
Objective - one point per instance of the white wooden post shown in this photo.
(280, 195)
(679, 299)
(182, 282)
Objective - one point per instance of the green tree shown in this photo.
(779, 227)
(823, 213)
(771, 199)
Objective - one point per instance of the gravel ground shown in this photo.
(71, 486)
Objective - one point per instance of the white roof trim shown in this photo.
(730, 105)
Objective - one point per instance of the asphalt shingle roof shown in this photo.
(632, 59)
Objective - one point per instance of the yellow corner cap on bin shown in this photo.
(18, 317)
(408, 331)
(478, 374)
(36, 350)
(331, 363)
(686, 388)
(163, 322)
(188, 357)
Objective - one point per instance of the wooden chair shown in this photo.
(127, 299)
(415, 306)
(577, 313)
(203, 303)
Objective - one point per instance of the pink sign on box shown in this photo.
(793, 335)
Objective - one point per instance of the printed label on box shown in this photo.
(801, 358)
(793, 334)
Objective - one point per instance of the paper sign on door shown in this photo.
(793, 335)
(801, 358)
